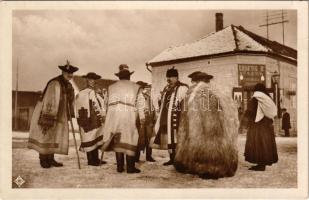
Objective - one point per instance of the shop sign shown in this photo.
(249, 74)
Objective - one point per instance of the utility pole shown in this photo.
(282, 19)
(273, 18)
(16, 94)
(267, 24)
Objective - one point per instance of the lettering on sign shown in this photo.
(249, 74)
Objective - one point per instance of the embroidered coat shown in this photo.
(166, 138)
(90, 114)
(49, 130)
(125, 104)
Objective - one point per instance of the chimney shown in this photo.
(219, 21)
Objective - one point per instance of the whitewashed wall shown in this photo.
(225, 72)
(288, 82)
(223, 69)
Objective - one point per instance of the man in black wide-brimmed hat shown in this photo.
(49, 130)
(146, 131)
(125, 106)
(90, 115)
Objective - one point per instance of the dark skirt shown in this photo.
(261, 145)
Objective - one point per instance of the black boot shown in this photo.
(131, 165)
(95, 155)
(137, 155)
(148, 155)
(44, 160)
(120, 162)
(171, 161)
(91, 160)
(258, 168)
(53, 162)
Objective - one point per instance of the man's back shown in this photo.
(123, 91)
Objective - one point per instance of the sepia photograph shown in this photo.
(160, 97)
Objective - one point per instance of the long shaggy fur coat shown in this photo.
(207, 136)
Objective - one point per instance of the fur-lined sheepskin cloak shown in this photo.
(52, 109)
(207, 136)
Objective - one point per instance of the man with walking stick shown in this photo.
(49, 128)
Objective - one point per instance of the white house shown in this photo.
(238, 59)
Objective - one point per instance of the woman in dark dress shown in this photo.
(260, 144)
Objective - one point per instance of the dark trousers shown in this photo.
(148, 153)
(120, 162)
(46, 157)
(130, 160)
(46, 160)
(287, 132)
(93, 156)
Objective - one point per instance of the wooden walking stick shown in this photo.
(102, 155)
(81, 138)
(73, 131)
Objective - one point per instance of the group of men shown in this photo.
(126, 116)
(124, 122)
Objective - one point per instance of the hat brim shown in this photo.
(194, 74)
(209, 77)
(202, 76)
(142, 84)
(71, 69)
(93, 77)
(117, 74)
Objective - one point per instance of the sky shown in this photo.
(100, 40)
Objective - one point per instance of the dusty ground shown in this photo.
(154, 175)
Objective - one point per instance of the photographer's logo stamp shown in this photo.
(19, 181)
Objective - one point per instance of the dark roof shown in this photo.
(81, 82)
(230, 40)
(276, 47)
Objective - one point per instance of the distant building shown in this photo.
(26, 101)
(81, 82)
(238, 59)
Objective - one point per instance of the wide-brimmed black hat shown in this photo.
(172, 72)
(142, 84)
(92, 75)
(68, 68)
(203, 76)
(194, 75)
(124, 71)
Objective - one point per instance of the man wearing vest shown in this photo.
(125, 104)
(166, 126)
(90, 114)
(49, 129)
(146, 131)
